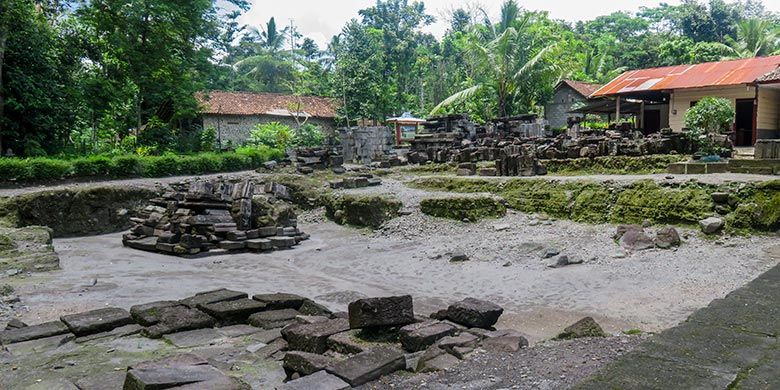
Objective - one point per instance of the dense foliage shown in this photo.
(119, 76)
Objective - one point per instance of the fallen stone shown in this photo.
(347, 343)
(368, 366)
(636, 240)
(238, 330)
(442, 362)
(474, 313)
(320, 380)
(273, 318)
(282, 242)
(271, 348)
(96, 321)
(194, 338)
(148, 314)
(622, 229)
(121, 331)
(419, 336)
(15, 323)
(550, 252)
(311, 308)
(177, 319)
(232, 245)
(313, 337)
(463, 340)
(720, 197)
(511, 342)
(259, 244)
(586, 327)
(667, 237)
(232, 312)
(458, 257)
(711, 225)
(46, 329)
(387, 311)
(560, 261)
(169, 376)
(214, 296)
(102, 381)
(304, 363)
(279, 301)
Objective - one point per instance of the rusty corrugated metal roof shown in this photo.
(711, 74)
(250, 103)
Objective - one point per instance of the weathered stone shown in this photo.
(53, 384)
(622, 229)
(347, 343)
(273, 318)
(586, 327)
(280, 301)
(667, 237)
(177, 319)
(231, 312)
(462, 340)
(368, 366)
(238, 330)
(282, 242)
(419, 336)
(232, 245)
(169, 374)
(636, 240)
(121, 331)
(311, 308)
(194, 338)
(96, 321)
(259, 244)
(148, 314)
(320, 380)
(474, 313)
(387, 311)
(304, 363)
(33, 332)
(313, 337)
(720, 197)
(439, 363)
(102, 381)
(214, 296)
(458, 257)
(511, 342)
(15, 323)
(711, 225)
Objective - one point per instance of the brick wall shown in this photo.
(557, 111)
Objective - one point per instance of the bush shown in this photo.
(307, 135)
(273, 135)
(12, 168)
(39, 169)
(260, 154)
(710, 115)
(208, 139)
(235, 162)
(92, 166)
(201, 163)
(160, 166)
(127, 166)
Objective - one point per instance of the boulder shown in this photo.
(636, 240)
(368, 366)
(474, 313)
(711, 225)
(304, 363)
(419, 336)
(33, 332)
(313, 337)
(320, 380)
(622, 229)
(667, 237)
(586, 327)
(232, 312)
(273, 318)
(96, 321)
(387, 311)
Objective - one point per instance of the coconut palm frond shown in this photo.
(533, 61)
(456, 98)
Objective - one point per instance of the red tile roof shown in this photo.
(250, 103)
(583, 88)
(722, 73)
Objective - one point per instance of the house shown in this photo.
(568, 95)
(234, 114)
(752, 85)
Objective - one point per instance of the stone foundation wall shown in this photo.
(236, 128)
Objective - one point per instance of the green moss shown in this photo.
(757, 208)
(592, 204)
(460, 208)
(631, 332)
(429, 168)
(648, 200)
(361, 210)
(305, 191)
(612, 165)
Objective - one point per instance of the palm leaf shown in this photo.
(456, 98)
(533, 61)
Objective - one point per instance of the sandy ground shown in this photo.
(649, 290)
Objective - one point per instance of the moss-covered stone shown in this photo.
(615, 165)
(27, 249)
(361, 210)
(757, 207)
(306, 192)
(68, 213)
(646, 200)
(460, 208)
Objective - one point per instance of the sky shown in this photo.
(322, 19)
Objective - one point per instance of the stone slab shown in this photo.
(194, 338)
(282, 242)
(232, 245)
(213, 296)
(177, 319)
(33, 332)
(474, 313)
(96, 321)
(419, 336)
(320, 380)
(273, 318)
(154, 378)
(121, 331)
(313, 337)
(278, 301)
(148, 314)
(231, 312)
(102, 381)
(259, 244)
(53, 384)
(385, 311)
(368, 366)
(238, 330)
(304, 363)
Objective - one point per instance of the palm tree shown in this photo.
(755, 37)
(507, 64)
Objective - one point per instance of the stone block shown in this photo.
(96, 321)
(194, 338)
(232, 245)
(213, 296)
(474, 313)
(266, 231)
(273, 318)
(177, 319)
(313, 337)
(175, 372)
(320, 380)
(387, 311)
(282, 242)
(368, 366)
(419, 336)
(33, 332)
(121, 331)
(311, 308)
(231, 312)
(439, 363)
(280, 300)
(148, 314)
(259, 244)
(237, 235)
(304, 363)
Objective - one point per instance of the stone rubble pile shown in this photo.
(362, 181)
(215, 216)
(307, 160)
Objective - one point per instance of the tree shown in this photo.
(755, 37)
(360, 60)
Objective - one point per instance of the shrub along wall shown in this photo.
(750, 206)
(49, 169)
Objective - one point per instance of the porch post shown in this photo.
(641, 115)
(617, 110)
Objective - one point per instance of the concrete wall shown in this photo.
(557, 111)
(236, 128)
(768, 113)
(364, 144)
(681, 100)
